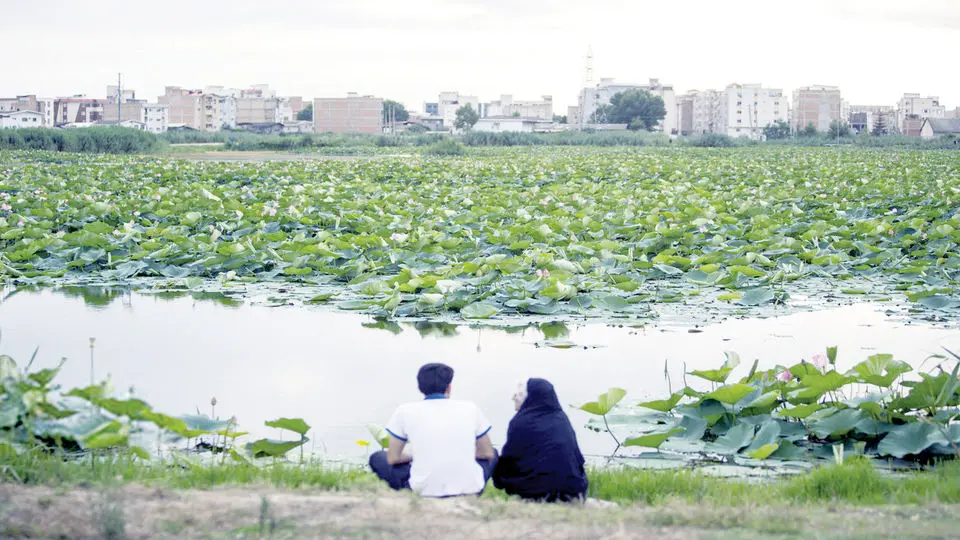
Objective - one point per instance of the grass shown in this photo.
(857, 482)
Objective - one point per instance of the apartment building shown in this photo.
(352, 114)
(78, 110)
(184, 107)
(591, 99)
(154, 117)
(699, 112)
(685, 110)
(869, 117)
(30, 102)
(915, 107)
(745, 109)
(507, 106)
(818, 105)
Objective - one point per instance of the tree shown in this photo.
(839, 128)
(516, 114)
(394, 110)
(776, 130)
(809, 131)
(638, 109)
(306, 113)
(602, 115)
(879, 126)
(557, 119)
(466, 117)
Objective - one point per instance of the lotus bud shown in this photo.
(213, 401)
(93, 340)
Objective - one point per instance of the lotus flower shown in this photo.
(398, 237)
(5, 207)
(703, 228)
(820, 360)
(785, 376)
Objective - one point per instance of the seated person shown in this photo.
(541, 459)
(451, 450)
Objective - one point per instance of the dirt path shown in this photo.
(142, 512)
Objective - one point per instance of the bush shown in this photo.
(101, 140)
(446, 147)
(714, 140)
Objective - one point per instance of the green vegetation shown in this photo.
(306, 114)
(446, 147)
(99, 140)
(466, 117)
(38, 418)
(777, 130)
(638, 109)
(800, 413)
(855, 482)
(560, 233)
(394, 111)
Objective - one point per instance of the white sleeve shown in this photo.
(481, 425)
(397, 426)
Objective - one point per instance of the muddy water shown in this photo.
(339, 375)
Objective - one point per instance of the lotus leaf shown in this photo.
(296, 425)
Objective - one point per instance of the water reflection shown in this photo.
(341, 371)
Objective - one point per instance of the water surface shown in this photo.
(337, 373)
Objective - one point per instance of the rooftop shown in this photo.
(944, 125)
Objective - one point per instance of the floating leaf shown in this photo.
(478, 310)
(651, 440)
(296, 425)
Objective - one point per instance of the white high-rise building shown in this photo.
(915, 107)
(507, 106)
(745, 109)
(156, 117)
(591, 99)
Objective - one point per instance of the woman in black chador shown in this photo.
(541, 459)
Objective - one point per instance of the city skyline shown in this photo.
(873, 50)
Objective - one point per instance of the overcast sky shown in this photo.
(410, 50)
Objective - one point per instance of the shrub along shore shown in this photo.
(114, 140)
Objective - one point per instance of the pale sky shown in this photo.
(410, 50)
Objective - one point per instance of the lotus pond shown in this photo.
(305, 294)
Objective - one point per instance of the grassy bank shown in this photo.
(856, 482)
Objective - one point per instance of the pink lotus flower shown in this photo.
(20, 223)
(703, 228)
(785, 376)
(821, 361)
(136, 213)
(5, 207)
(543, 272)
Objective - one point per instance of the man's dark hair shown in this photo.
(434, 378)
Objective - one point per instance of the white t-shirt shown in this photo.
(442, 436)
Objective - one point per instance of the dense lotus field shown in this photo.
(558, 232)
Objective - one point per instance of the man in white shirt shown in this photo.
(439, 447)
